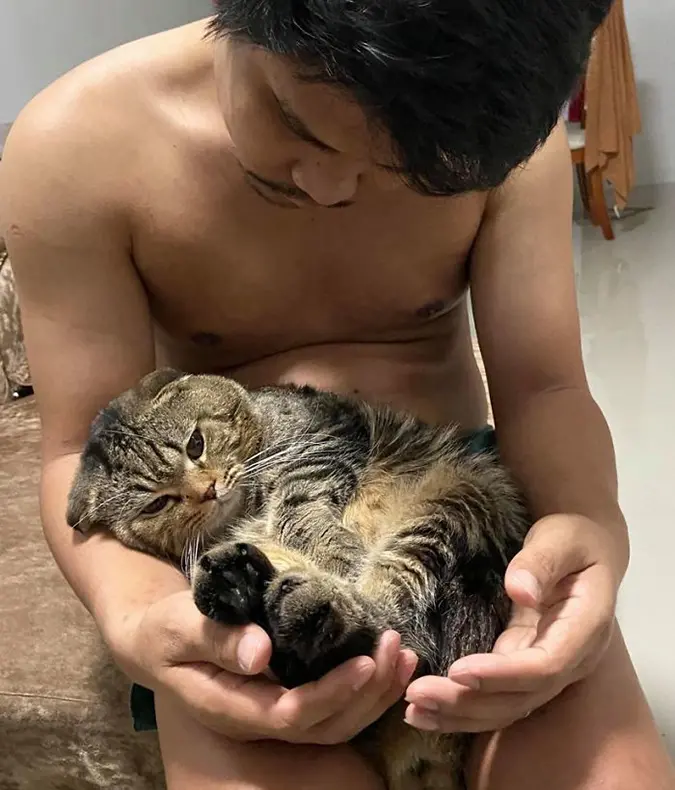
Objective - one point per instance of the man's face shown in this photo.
(299, 143)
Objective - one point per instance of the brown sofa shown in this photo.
(64, 717)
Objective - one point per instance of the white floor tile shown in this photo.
(627, 305)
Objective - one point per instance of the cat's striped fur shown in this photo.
(325, 520)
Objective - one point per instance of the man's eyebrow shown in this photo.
(300, 128)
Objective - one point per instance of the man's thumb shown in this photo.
(253, 651)
(243, 650)
(553, 550)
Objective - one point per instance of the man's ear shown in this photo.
(81, 507)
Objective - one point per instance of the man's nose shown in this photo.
(327, 184)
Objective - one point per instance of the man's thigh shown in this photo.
(197, 759)
(598, 735)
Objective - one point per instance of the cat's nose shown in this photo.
(210, 494)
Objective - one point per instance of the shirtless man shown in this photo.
(197, 201)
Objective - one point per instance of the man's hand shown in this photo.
(215, 673)
(563, 585)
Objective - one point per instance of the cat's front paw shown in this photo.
(316, 622)
(230, 582)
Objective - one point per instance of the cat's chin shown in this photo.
(230, 504)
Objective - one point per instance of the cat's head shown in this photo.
(164, 462)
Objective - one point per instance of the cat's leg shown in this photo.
(315, 620)
(314, 528)
(230, 580)
(444, 596)
(312, 611)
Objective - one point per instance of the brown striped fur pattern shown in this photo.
(324, 520)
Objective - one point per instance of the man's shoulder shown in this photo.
(549, 169)
(94, 119)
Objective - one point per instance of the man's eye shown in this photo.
(195, 446)
(156, 506)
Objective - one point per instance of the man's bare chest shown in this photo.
(259, 280)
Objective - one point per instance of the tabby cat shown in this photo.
(324, 520)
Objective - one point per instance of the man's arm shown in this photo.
(555, 440)
(87, 327)
(551, 432)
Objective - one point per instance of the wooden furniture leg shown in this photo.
(597, 203)
(583, 187)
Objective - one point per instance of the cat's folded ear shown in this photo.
(151, 385)
(81, 507)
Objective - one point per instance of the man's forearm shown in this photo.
(109, 578)
(558, 446)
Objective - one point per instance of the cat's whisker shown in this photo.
(184, 557)
(281, 448)
(91, 513)
(199, 547)
(267, 450)
(191, 554)
(272, 460)
(186, 554)
(272, 452)
(289, 440)
(243, 483)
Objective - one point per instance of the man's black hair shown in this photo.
(467, 89)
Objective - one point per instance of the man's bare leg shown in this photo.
(598, 735)
(197, 759)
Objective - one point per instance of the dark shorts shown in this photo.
(143, 700)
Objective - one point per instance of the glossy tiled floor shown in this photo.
(627, 305)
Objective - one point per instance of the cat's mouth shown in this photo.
(229, 498)
(228, 488)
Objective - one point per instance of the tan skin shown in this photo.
(126, 209)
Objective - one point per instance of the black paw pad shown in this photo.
(230, 584)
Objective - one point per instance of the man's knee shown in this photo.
(196, 758)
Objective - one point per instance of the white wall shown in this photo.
(651, 24)
(42, 39)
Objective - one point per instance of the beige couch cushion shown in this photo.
(64, 717)
(13, 364)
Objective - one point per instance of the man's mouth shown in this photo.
(284, 195)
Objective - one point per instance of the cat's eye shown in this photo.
(195, 446)
(156, 506)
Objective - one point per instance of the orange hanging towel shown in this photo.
(612, 111)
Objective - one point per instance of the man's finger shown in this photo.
(245, 650)
(553, 550)
(377, 697)
(327, 709)
(529, 670)
(262, 708)
(444, 699)
(568, 633)
(455, 724)
(189, 637)
(224, 700)
(306, 706)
